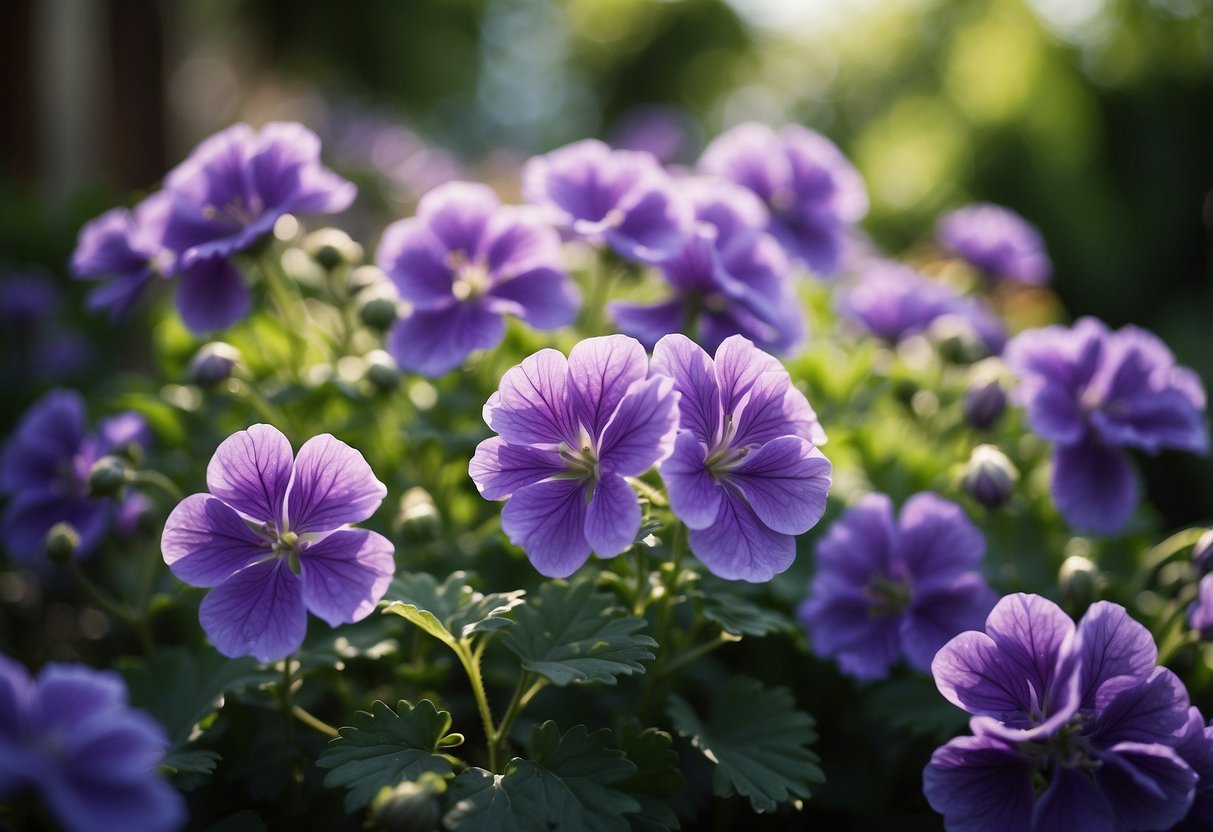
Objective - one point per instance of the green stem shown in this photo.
(276, 284)
(313, 722)
(641, 601)
(265, 409)
(1163, 552)
(524, 691)
(470, 659)
(158, 481)
(114, 608)
(694, 653)
(677, 547)
(600, 291)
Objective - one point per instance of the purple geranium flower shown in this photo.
(1094, 393)
(45, 468)
(814, 193)
(998, 241)
(125, 251)
(893, 301)
(731, 278)
(1195, 746)
(887, 587)
(620, 198)
(71, 736)
(464, 262)
(745, 475)
(271, 537)
(571, 431)
(1073, 728)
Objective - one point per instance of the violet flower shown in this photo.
(731, 278)
(570, 432)
(29, 300)
(814, 193)
(44, 471)
(1094, 394)
(464, 263)
(70, 736)
(272, 538)
(998, 241)
(1195, 746)
(1073, 727)
(893, 301)
(124, 251)
(618, 198)
(889, 587)
(745, 475)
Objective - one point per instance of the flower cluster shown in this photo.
(1073, 727)
(45, 470)
(1094, 393)
(224, 198)
(70, 735)
(998, 241)
(271, 537)
(895, 586)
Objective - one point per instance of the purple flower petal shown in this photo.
(259, 611)
(655, 226)
(641, 432)
(998, 241)
(1073, 801)
(250, 471)
(1094, 487)
(939, 612)
(841, 625)
(499, 469)
(70, 693)
(738, 365)
(205, 542)
(739, 546)
(127, 428)
(1113, 644)
(49, 434)
(457, 213)
(647, 323)
(29, 516)
(212, 295)
(1147, 785)
(694, 493)
(517, 241)
(532, 405)
(543, 297)
(435, 341)
(937, 539)
(861, 543)
(333, 485)
(1150, 710)
(979, 784)
(345, 574)
(694, 376)
(600, 372)
(416, 262)
(785, 482)
(548, 521)
(612, 517)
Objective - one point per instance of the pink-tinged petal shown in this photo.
(547, 520)
(980, 784)
(694, 376)
(694, 493)
(1113, 644)
(415, 261)
(532, 405)
(641, 432)
(1094, 487)
(612, 517)
(785, 482)
(940, 612)
(1148, 785)
(543, 297)
(739, 546)
(1150, 710)
(212, 295)
(499, 469)
(457, 214)
(842, 626)
(600, 372)
(860, 544)
(205, 541)
(738, 365)
(333, 486)
(1073, 801)
(250, 471)
(345, 574)
(257, 612)
(435, 341)
(937, 541)
(647, 323)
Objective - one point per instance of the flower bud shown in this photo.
(1079, 582)
(1202, 553)
(61, 542)
(417, 519)
(213, 364)
(379, 313)
(989, 477)
(381, 371)
(956, 340)
(409, 806)
(330, 247)
(984, 404)
(107, 476)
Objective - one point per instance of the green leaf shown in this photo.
(570, 633)
(243, 821)
(371, 638)
(758, 741)
(571, 783)
(734, 613)
(913, 706)
(191, 761)
(452, 610)
(657, 776)
(385, 747)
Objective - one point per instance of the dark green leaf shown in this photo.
(451, 610)
(914, 706)
(657, 776)
(739, 615)
(385, 747)
(758, 741)
(246, 821)
(371, 638)
(570, 633)
(191, 761)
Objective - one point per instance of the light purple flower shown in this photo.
(123, 250)
(619, 198)
(745, 475)
(888, 587)
(731, 278)
(464, 263)
(45, 467)
(570, 432)
(1094, 393)
(997, 241)
(814, 193)
(1073, 727)
(893, 301)
(70, 736)
(273, 539)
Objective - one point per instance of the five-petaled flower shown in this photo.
(998, 241)
(1073, 727)
(271, 537)
(745, 474)
(70, 735)
(887, 587)
(1094, 393)
(463, 263)
(570, 432)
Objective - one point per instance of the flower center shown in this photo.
(289, 545)
(471, 278)
(888, 596)
(235, 210)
